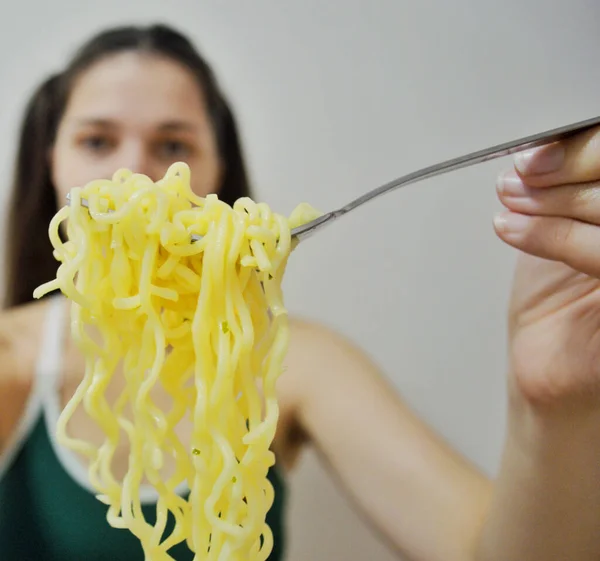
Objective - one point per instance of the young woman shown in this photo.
(142, 98)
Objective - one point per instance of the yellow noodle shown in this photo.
(202, 320)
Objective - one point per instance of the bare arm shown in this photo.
(426, 499)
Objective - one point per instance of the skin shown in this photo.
(546, 503)
(144, 113)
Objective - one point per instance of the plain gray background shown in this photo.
(335, 97)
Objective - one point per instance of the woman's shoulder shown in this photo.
(306, 329)
(20, 335)
(319, 356)
(309, 339)
(321, 360)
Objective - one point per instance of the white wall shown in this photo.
(336, 97)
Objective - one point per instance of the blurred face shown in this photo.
(136, 111)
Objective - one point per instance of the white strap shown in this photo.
(50, 360)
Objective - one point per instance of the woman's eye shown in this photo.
(173, 150)
(96, 144)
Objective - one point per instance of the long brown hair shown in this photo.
(33, 203)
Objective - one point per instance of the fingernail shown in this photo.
(511, 222)
(510, 184)
(539, 161)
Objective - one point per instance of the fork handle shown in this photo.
(467, 160)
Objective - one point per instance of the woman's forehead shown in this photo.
(134, 86)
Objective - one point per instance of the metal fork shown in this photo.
(302, 232)
(533, 141)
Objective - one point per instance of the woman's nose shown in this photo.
(137, 158)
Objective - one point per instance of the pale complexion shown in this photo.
(144, 112)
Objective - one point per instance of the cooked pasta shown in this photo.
(175, 291)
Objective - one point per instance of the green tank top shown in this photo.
(46, 515)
